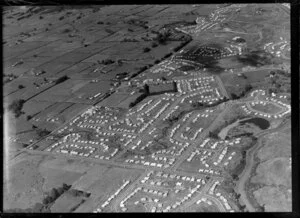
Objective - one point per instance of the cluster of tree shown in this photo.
(121, 75)
(279, 82)
(246, 90)
(261, 208)
(240, 167)
(8, 78)
(129, 40)
(173, 119)
(140, 23)
(61, 79)
(163, 36)
(167, 55)
(138, 100)
(109, 31)
(76, 206)
(182, 44)
(78, 193)
(142, 69)
(55, 193)
(154, 44)
(16, 107)
(247, 134)
(47, 202)
(199, 105)
(146, 49)
(145, 94)
(213, 134)
(42, 132)
(106, 61)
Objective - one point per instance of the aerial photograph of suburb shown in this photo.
(147, 108)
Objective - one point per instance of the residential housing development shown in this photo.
(147, 108)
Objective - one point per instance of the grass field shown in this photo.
(268, 108)
(103, 185)
(274, 172)
(274, 199)
(66, 203)
(63, 91)
(256, 76)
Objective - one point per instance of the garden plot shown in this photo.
(34, 106)
(161, 192)
(74, 56)
(69, 113)
(95, 71)
(50, 113)
(18, 70)
(49, 69)
(90, 92)
(75, 70)
(17, 50)
(16, 126)
(63, 91)
(25, 88)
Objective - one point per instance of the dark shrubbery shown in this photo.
(162, 37)
(107, 61)
(61, 79)
(55, 193)
(141, 97)
(16, 107)
(213, 135)
(146, 49)
(138, 100)
(154, 44)
(42, 132)
(246, 90)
